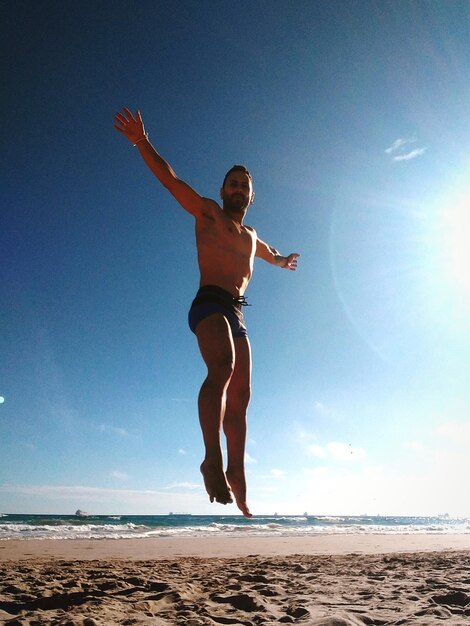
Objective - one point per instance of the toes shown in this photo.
(244, 509)
(224, 498)
(216, 485)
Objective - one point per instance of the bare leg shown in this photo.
(238, 397)
(217, 350)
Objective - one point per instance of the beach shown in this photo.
(329, 580)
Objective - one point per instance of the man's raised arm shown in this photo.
(271, 255)
(132, 127)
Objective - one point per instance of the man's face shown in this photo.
(237, 193)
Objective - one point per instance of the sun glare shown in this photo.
(456, 224)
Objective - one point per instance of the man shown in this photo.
(226, 249)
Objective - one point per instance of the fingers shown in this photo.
(128, 118)
(120, 122)
(129, 115)
(131, 127)
(121, 118)
(292, 261)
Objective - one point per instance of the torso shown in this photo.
(226, 250)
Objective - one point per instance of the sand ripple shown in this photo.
(348, 590)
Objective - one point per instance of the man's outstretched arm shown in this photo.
(271, 255)
(132, 127)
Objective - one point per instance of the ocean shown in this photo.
(17, 526)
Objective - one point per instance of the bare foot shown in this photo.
(215, 483)
(236, 479)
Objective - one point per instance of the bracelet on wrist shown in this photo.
(146, 136)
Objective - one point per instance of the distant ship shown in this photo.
(171, 514)
(80, 513)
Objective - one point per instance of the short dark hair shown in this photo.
(237, 168)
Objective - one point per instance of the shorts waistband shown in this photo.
(222, 294)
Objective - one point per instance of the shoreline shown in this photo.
(160, 548)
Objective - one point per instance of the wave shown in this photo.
(122, 527)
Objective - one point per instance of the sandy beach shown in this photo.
(323, 581)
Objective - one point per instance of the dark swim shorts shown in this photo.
(212, 299)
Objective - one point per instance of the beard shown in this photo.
(236, 202)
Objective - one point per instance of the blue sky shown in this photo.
(353, 118)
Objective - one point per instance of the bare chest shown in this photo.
(227, 234)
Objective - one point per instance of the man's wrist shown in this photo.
(143, 138)
(281, 261)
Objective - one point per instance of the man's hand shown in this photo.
(130, 126)
(290, 262)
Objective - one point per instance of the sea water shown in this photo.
(16, 526)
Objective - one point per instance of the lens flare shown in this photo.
(456, 241)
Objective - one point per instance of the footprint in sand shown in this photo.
(242, 602)
(453, 598)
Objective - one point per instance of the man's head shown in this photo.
(237, 189)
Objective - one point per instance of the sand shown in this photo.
(320, 581)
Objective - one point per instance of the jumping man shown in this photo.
(226, 250)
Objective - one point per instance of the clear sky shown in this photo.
(354, 120)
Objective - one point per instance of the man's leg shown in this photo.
(238, 397)
(217, 349)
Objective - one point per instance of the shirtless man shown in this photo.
(226, 249)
